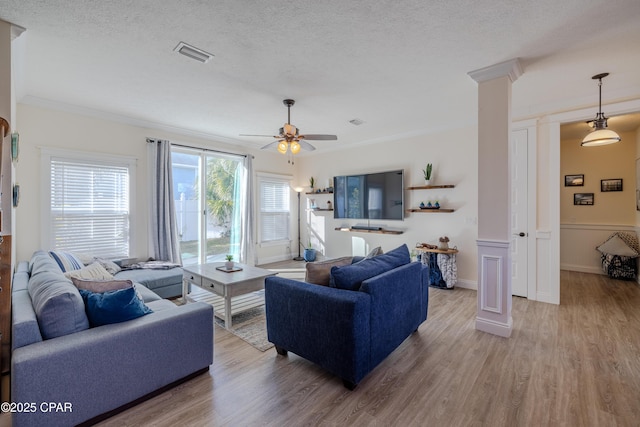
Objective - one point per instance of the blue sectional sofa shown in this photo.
(351, 326)
(95, 371)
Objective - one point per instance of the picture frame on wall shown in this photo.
(576, 180)
(583, 199)
(611, 185)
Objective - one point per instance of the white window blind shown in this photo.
(274, 209)
(89, 207)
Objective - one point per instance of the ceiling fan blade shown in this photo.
(319, 137)
(270, 145)
(306, 146)
(269, 136)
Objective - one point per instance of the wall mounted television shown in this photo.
(369, 196)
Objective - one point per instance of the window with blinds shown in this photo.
(274, 208)
(89, 207)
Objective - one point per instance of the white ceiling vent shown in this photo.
(193, 52)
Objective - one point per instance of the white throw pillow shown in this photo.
(92, 271)
(616, 246)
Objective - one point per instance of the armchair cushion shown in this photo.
(318, 272)
(350, 277)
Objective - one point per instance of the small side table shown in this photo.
(445, 258)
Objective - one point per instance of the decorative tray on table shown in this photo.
(229, 270)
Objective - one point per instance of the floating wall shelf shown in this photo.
(431, 210)
(429, 187)
(360, 230)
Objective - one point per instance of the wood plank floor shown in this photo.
(577, 364)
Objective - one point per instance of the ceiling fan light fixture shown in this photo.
(600, 134)
(295, 147)
(283, 146)
(290, 129)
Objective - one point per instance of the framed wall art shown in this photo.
(583, 199)
(611, 185)
(574, 180)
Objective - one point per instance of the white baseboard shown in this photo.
(269, 260)
(582, 268)
(495, 328)
(467, 284)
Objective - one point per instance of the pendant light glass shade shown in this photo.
(600, 134)
(600, 137)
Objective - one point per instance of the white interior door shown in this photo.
(519, 213)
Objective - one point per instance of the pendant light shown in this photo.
(600, 134)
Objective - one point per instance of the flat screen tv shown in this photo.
(369, 196)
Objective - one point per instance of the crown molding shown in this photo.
(118, 118)
(511, 68)
(16, 31)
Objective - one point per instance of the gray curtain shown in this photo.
(163, 230)
(247, 255)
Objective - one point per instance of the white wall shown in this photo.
(41, 127)
(454, 157)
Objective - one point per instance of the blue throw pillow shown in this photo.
(351, 276)
(113, 306)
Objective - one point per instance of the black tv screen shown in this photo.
(369, 196)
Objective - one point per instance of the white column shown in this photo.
(494, 201)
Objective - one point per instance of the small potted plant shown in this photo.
(229, 264)
(427, 173)
(312, 183)
(309, 253)
(444, 243)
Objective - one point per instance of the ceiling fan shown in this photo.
(290, 138)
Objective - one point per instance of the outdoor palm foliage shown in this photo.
(220, 182)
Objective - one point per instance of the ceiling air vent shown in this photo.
(193, 52)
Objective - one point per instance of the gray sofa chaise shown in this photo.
(95, 371)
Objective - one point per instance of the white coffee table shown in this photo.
(224, 284)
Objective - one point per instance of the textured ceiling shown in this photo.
(400, 66)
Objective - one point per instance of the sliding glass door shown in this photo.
(207, 189)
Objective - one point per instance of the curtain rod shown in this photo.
(202, 149)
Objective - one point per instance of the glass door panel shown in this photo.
(207, 189)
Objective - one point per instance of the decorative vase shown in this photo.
(444, 246)
(427, 182)
(228, 265)
(309, 254)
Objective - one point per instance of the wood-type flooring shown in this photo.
(576, 364)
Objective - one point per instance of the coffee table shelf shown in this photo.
(239, 304)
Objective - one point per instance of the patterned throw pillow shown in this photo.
(66, 260)
(616, 245)
(108, 265)
(91, 271)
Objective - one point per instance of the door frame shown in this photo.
(531, 127)
(552, 134)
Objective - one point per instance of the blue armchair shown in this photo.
(348, 332)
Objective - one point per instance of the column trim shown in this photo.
(511, 68)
